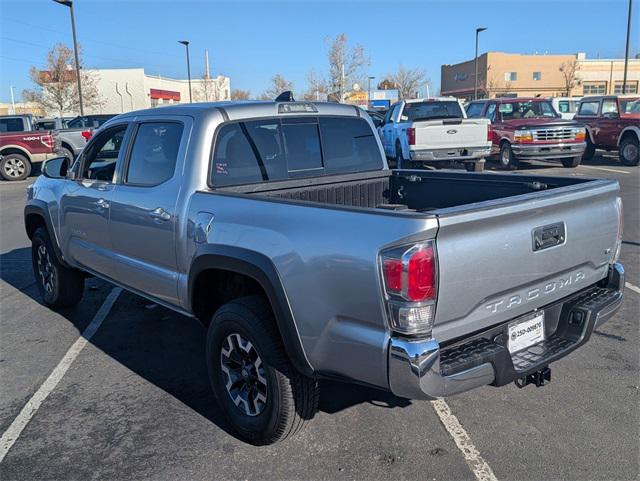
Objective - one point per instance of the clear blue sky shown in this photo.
(252, 41)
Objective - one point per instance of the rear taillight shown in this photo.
(620, 226)
(410, 284)
(411, 136)
(87, 134)
(489, 133)
(48, 140)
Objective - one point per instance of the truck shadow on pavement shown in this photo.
(163, 347)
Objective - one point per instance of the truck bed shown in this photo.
(406, 191)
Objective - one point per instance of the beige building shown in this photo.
(515, 75)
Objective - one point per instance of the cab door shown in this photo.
(609, 125)
(85, 206)
(388, 131)
(144, 207)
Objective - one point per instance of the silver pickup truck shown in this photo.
(279, 225)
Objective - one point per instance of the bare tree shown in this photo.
(316, 87)
(409, 82)
(56, 87)
(569, 71)
(492, 86)
(209, 89)
(239, 94)
(345, 64)
(279, 84)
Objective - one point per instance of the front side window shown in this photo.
(278, 149)
(609, 106)
(9, 124)
(432, 110)
(589, 108)
(101, 156)
(77, 123)
(491, 112)
(154, 154)
(475, 109)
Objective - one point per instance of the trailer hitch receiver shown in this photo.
(539, 378)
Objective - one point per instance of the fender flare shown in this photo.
(631, 128)
(39, 208)
(589, 134)
(24, 151)
(261, 269)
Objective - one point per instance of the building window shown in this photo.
(594, 88)
(154, 102)
(632, 87)
(537, 75)
(510, 76)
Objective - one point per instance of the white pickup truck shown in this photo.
(420, 131)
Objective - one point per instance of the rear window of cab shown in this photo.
(271, 149)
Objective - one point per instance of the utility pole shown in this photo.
(626, 52)
(186, 44)
(342, 84)
(475, 78)
(13, 102)
(369, 92)
(69, 3)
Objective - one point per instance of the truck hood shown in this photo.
(526, 123)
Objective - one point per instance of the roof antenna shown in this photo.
(286, 96)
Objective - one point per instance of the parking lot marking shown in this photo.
(605, 169)
(11, 435)
(632, 287)
(478, 465)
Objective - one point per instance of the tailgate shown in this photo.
(446, 133)
(490, 268)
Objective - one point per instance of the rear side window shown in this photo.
(279, 149)
(154, 153)
(12, 125)
(589, 108)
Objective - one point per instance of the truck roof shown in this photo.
(242, 109)
(431, 99)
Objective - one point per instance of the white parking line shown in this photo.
(478, 465)
(632, 287)
(605, 169)
(11, 435)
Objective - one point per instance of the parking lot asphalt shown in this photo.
(135, 403)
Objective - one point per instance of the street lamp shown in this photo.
(186, 44)
(369, 92)
(475, 78)
(69, 3)
(626, 51)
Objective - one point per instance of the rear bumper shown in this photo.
(422, 369)
(549, 151)
(468, 154)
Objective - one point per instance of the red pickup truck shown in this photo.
(530, 128)
(21, 147)
(613, 123)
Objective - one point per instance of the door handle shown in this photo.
(102, 204)
(160, 214)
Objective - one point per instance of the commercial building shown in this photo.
(516, 75)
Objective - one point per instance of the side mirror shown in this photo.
(56, 168)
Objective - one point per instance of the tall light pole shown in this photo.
(475, 78)
(369, 79)
(186, 44)
(626, 52)
(69, 3)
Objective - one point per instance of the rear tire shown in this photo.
(265, 399)
(628, 152)
(59, 286)
(571, 161)
(590, 150)
(15, 167)
(474, 166)
(507, 159)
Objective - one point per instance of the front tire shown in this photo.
(571, 162)
(15, 167)
(628, 151)
(265, 399)
(507, 158)
(590, 150)
(59, 286)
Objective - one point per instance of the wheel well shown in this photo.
(13, 150)
(214, 287)
(69, 148)
(33, 222)
(630, 134)
(504, 141)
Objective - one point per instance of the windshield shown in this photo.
(432, 110)
(527, 110)
(630, 106)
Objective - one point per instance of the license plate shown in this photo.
(526, 332)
